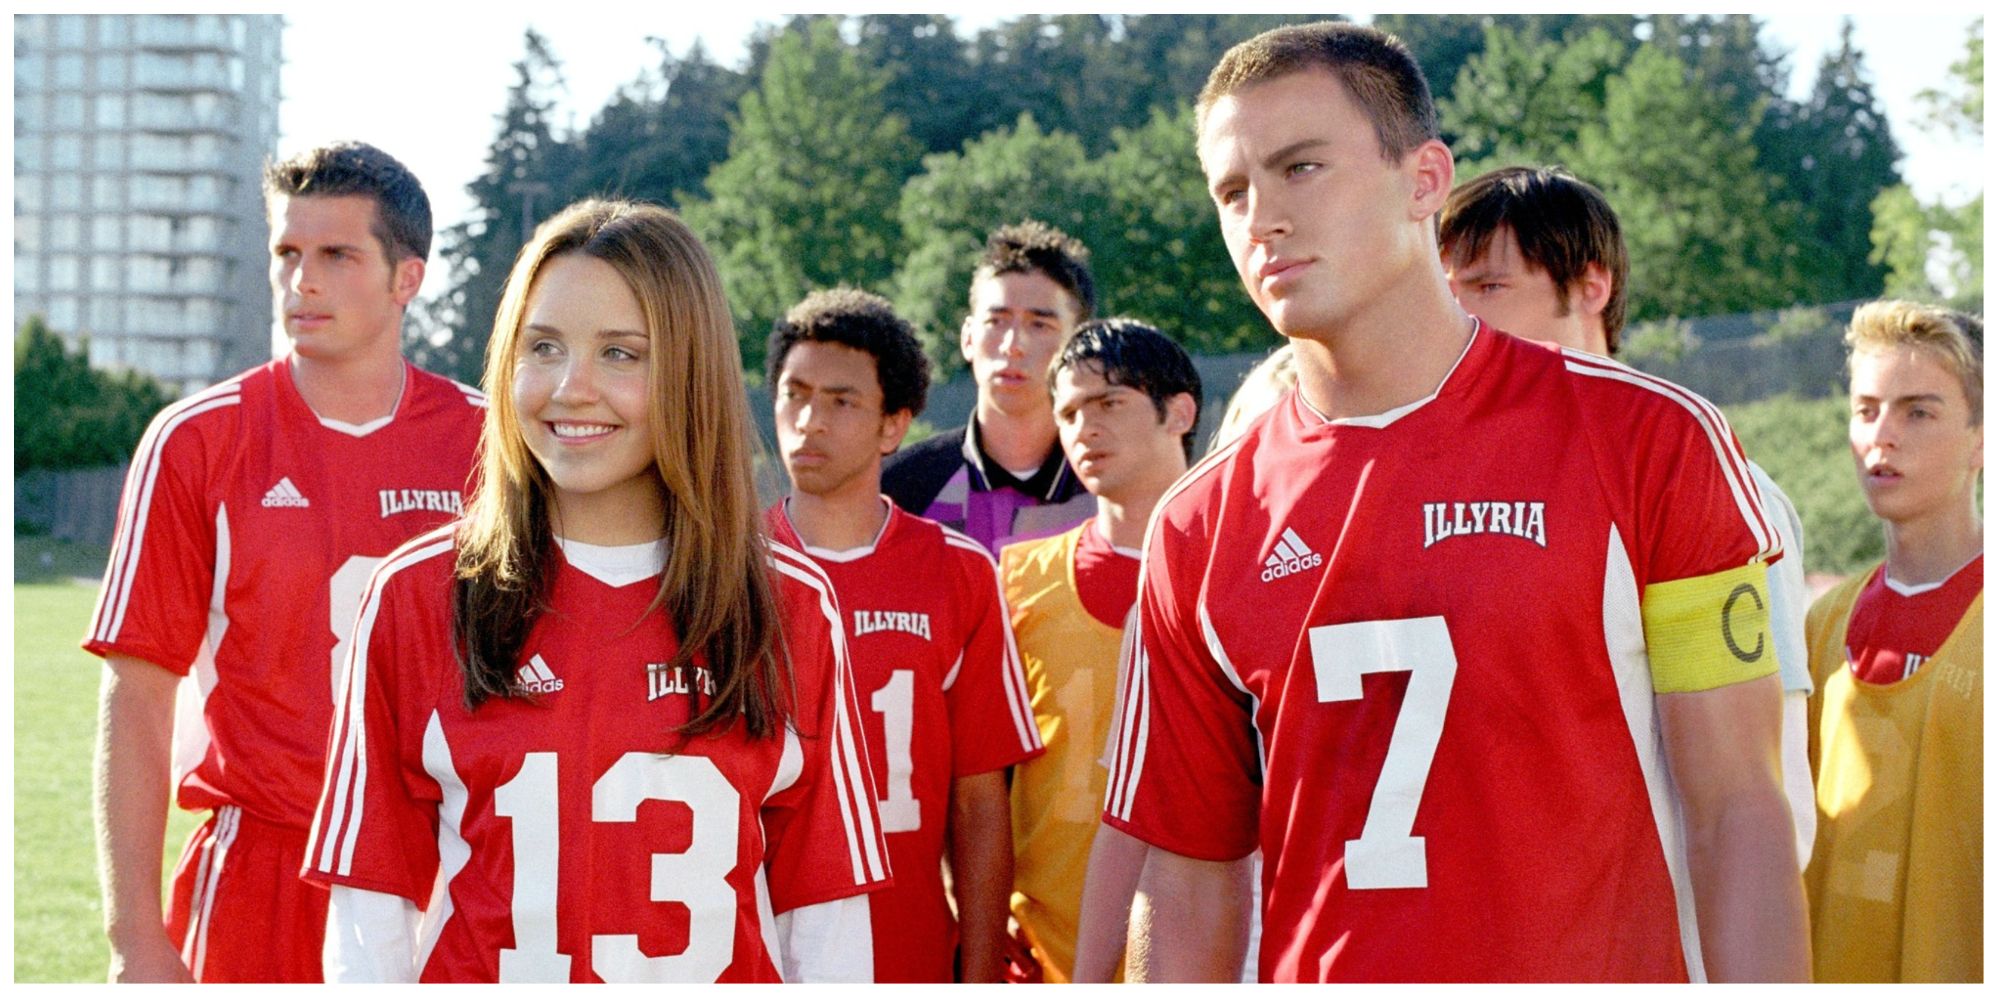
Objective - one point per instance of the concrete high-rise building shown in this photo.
(139, 143)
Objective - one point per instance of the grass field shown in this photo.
(57, 915)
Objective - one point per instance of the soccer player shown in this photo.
(1126, 399)
(1002, 476)
(253, 513)
(1486, 676)
(1538, 254)
(1898, 719)
(598, 730)
(946, 706)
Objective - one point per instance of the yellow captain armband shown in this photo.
(1709, 631)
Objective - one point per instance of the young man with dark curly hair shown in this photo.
(945, 708)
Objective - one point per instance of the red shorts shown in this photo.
(239, 909)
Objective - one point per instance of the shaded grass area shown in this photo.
(40, 559)
(58, 917)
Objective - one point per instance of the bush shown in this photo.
(68, 416)
(1802, 443)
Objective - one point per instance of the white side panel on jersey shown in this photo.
(830, 942)
(453, 850)
(791, 764)
(1625, 643)
(767, 922)
(1230, 673)
(371, 937)
(191, 740)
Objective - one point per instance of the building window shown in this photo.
(28, 195)
(105, 191)
(110, 71)
(108, 152)
(62, 274)
(62, 314)
(105, 311)
(69, 30)
(28, 233)
(27, 68)
(27, 281)
(103, 276)
(27, 153)
(112, 29)
(110, 111)
(69, 71)
(65, 191)
(66, 111)
(66, 152)
(65, 232)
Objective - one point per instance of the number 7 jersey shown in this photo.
(562, 834)
(1413, 658)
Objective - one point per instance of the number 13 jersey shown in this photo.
(1406, 655)
(563, 834)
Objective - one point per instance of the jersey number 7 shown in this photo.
(1386, 856)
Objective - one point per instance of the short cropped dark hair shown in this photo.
(402, 210)
(1030, 245)
(866, 322)
(1137, 355)
(1376, 68)
(1562, 225)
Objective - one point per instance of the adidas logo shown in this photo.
(1291, 555)
(537, 678)
(285, 495)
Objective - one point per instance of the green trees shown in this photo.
(878, 151)
(805, 198)
(70, 416)
(1912, 240)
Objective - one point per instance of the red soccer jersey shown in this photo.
(935, 665)
(565, 837)
(247, 530)
(1403, 654)
(1894, 628)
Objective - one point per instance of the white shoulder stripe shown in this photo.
(1713, 426)
(334, 835)
(958, 539)
(137, 505)
(1200, 470)
(1014, 674)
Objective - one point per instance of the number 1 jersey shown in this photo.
(943, 696)
(564, 834)
(1408, 656)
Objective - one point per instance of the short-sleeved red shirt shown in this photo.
(1404, 655)
(565, 835)
(246, 532)
(943, 696)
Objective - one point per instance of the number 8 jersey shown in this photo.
(551, 836)
(247, 529)
(1414, 656)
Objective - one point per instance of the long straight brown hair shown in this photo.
(716, 590)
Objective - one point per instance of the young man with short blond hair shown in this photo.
(1897, 652)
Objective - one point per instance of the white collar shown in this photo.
(616, 565)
